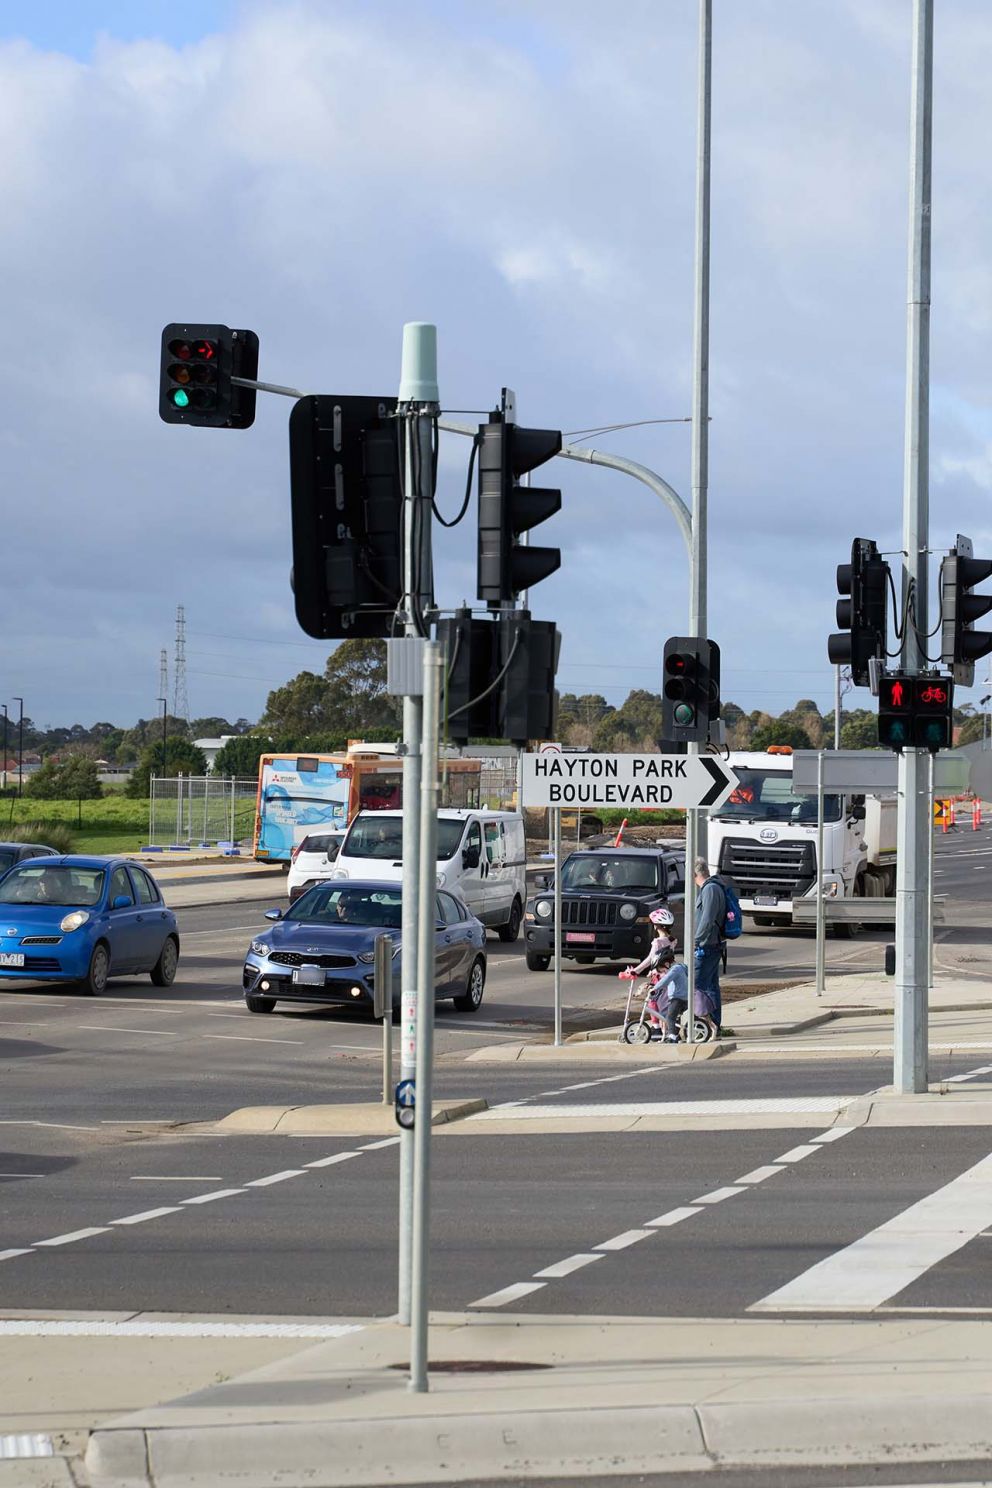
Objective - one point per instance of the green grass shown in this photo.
(109, 825)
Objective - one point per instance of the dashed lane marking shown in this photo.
(621, 1242)
(247, 1038)
(74, 1235)
(719, 1194)
(336, 1157)
(673, 1217)
(568, 1265)
(8, 1255)
(107, 1028)
(796, 1154)
(133, 1219)
(209, 1198)
(758, 1175)
(276, 1178)
(509, 1294)
(175, 1178)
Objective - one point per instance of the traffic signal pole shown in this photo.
(417, 412)
(914, 839)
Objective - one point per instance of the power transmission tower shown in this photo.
(180, 695)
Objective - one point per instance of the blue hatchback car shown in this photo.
(81, 919)
(323, 948)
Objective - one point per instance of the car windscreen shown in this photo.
(71, 888)
(369, 838)
(767, 795)
(342, 904)
(610, 872)
(6, 858)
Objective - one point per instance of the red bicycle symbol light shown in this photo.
(933, 694)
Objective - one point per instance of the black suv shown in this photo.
(607, 894)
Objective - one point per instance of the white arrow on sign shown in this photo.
(632, 781)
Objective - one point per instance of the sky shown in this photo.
(522, 175)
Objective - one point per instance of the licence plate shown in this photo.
(308, 976)
(770, 900)
(11, 958)
(580, 937)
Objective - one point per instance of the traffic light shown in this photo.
(527, 654)
(347, 515)
(507, 509)
(690, 689)
(862, 610)
(470, 709)
(961, 644)
(915, 712)
(197, 367)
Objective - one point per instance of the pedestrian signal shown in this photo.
(915, 712)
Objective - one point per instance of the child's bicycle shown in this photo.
(638, 1030)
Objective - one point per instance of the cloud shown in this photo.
(525, 179)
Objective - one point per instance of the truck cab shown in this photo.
(764, 838)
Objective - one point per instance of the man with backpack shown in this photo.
(718, 918)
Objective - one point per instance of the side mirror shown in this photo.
(122, 901)
(273, 914)
(543, 880)
(470, 857)
(858, 813)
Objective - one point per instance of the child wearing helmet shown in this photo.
(662, 946)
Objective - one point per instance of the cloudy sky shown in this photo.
(522, 174)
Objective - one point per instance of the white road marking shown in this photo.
(674, 1216)
(8, 1255)
(374, 1146)
(220, 1193)
(568, 1265)
(16, 1446)
(20, 1023)
(833, 1135)
(23, 1175)
(327, 1162)
(247, 1038)
(130, 1219)
(773, 1105)
(176, 1178)
(508, 1294)
(620, 1242)
(758, 1175)
(135, 1328)
(55, 1125)
(276, 1177)
(863, 1275)
(796, 1154)
(718, 1195)
(32, 1001)
(75, 1235)
(106, 1028)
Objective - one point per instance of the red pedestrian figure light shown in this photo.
(897, 694)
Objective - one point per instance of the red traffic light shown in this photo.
(895, 693)
(205, 350)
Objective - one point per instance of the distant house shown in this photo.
(213, 747)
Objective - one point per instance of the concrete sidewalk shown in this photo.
(570, 1396)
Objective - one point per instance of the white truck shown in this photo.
(764, 838)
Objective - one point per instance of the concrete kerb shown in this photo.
(358, 1119)
(601, 1051)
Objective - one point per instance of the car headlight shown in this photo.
(74, 920)
(628, 911)
(259, 947)
(367, 956)
(543, 909)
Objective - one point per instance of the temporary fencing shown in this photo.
(201, 811)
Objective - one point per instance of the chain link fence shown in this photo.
(201, 810)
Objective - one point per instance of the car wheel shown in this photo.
(163, 973)
(260, 1004)
(585, 960)
(95, 980)
(471, 998)
(509, 932)
(536, 962)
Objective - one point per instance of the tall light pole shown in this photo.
(20, 746)
(4, 706)
(165, 728)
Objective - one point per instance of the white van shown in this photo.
(481, 855)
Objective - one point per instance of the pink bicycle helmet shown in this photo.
(661, 916)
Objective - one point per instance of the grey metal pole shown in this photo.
(427, 931)
(836, 707)
(418, 395)
(910, 1073)
(821, 917)
(930, 856)
(699, 478)
(689, 936)
(20, 746)
(556, 848)
(382, 983)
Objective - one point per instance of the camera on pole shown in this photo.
(690, 700)
(961, 644)
(507, 509)
(198, 363)
(862, 610)
(347, 501)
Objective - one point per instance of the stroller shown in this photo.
(638, 1029)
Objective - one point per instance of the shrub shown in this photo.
(43, 834)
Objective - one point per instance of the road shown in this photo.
(109, 1210)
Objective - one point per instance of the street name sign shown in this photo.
(632, 781)
(873, 770)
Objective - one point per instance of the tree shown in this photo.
(859, 729)
(357, 698)
(300, 706)
(240, 755)
(148, 731)
(74, 779)
(210, 728)
(971, 730)
(180, 756)
(779, 731)
(636, 725)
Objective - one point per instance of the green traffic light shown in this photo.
(684, 714)
(180, 398)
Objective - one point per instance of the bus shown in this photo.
(299, 794)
